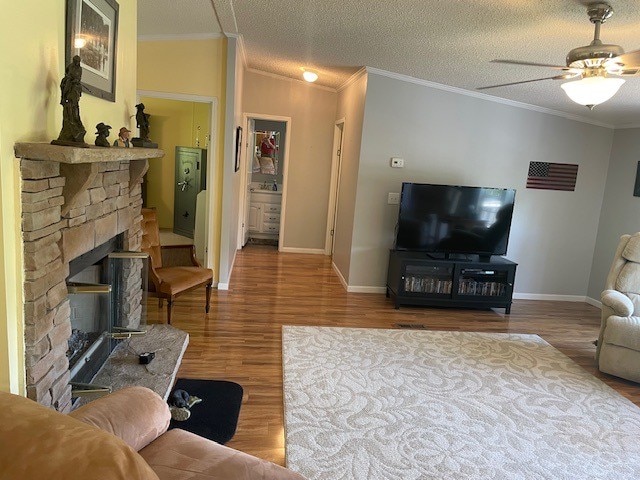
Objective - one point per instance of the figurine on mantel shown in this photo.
(123, 139)
(142, 120)
(73, 131)
(102, 134)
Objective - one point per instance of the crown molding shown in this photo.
(353, 78)
(484, 96)
(290, 79)
(180, 37)
(241, 46)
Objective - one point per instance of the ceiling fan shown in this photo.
(595, 68)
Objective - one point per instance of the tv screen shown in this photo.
(454, 219)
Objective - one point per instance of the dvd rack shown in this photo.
(420, 284)
(491, 289)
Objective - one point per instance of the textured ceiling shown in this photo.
(444, 41)
(176, 17)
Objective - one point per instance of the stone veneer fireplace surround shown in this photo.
(73, 199)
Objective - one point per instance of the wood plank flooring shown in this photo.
(240, 338)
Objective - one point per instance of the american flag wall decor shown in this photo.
(552, 176)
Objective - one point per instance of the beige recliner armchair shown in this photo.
(618, 351)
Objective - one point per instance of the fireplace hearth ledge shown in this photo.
(123, 370)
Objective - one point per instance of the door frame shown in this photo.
(210, 215)
(334, 190)
(246, 164)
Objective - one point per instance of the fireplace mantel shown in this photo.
(75, 155)
(80, 166)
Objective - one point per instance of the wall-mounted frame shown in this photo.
(92, 33)
(238, 147)
(636, 187)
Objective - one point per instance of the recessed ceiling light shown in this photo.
(310, 76)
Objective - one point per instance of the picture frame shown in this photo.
(636, 187)
(92, 33)
(238, 147)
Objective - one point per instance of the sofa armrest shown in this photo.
(137, 415)
(618, 302)
(183, 455)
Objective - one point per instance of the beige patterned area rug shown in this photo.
(404, 404)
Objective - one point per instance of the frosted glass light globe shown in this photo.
(592, 91)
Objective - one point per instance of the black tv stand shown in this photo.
(419, 278)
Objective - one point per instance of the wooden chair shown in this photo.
(168, 279)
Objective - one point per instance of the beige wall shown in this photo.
(192, 67)
(313, 112)
(32, 39)
(351, 103)
(173, 123)
(231, 178)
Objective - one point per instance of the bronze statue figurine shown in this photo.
(102, 132)
(73, 131)
(142, 120)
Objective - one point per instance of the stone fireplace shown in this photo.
(74, 200)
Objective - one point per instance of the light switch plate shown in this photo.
(397, 162)
(393, 199)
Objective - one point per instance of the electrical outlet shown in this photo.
(393, 199)
(397, 162)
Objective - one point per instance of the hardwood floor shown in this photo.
(240, 338)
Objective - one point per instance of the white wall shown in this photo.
(231, 178)
(450, 138)
(351, 101)
(312, 111)
(620, 209)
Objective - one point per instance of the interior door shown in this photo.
(189, 168)
(249, 159)
(335, 208)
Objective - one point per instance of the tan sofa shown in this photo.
(121, 436)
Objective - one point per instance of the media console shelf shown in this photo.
(415, 278)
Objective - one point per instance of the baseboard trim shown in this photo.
(550, 297)
(340, 277)
(594, 302)
(366, 289)
(312, 251)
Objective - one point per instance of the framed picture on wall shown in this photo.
(636, 187)
(92, 33)
(238, 147)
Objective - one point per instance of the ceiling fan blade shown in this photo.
(557, 77)
(629, 60)
(530, 64)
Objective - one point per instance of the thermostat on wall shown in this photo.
(397, 162)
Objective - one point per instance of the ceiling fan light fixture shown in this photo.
(592, 91)
(309, 76)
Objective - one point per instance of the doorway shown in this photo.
(178, 185)
(336, 169)
(264, 180)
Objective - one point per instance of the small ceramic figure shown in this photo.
(102, 134)
(123, 138)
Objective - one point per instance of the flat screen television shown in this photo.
(454, 219)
